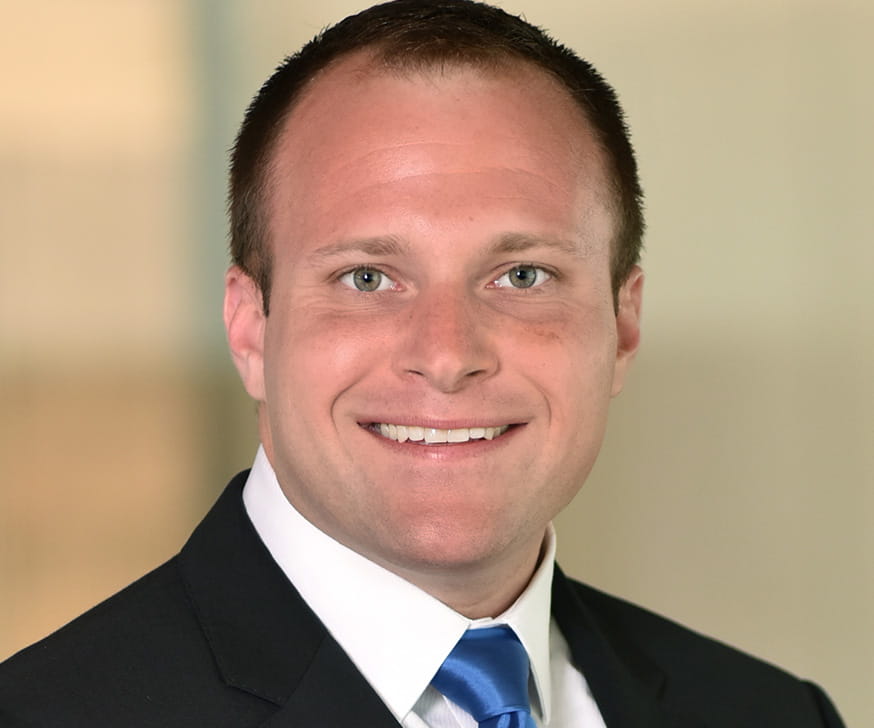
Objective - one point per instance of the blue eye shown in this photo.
(367, 280)
(523, 276)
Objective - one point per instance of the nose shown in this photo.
(446, 341)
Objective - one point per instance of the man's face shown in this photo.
(441, 270)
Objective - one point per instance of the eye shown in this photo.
(367, 280)
(523, 276)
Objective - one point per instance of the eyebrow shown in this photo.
(383, 245)
(520, 242)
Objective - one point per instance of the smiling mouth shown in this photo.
(435, 436)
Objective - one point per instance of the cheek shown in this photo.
(573, 369)
(577, 347)
(317, 352)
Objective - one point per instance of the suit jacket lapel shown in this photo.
(626, 685)
(332, 693)
(265, 639)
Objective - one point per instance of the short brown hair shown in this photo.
(419, 34)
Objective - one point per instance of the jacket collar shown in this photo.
(264, 638)
(626, 685)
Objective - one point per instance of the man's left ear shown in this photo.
(627, 326)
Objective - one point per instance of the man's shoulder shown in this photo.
(665, 641)
(137, 644)
(703, 674)
(144, 656)
(156, 599)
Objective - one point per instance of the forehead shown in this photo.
(360, 129)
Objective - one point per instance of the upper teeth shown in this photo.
(432, 435)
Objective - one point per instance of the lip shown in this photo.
(439, 424)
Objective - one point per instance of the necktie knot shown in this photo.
(487, 674)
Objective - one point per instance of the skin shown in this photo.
(440, 183)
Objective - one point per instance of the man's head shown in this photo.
(445, 333)
(410, 35)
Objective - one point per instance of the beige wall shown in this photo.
(735, 489)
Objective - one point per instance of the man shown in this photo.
(435, 294)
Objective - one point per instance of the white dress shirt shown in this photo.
(398, 635)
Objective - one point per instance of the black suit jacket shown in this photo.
(218, 637)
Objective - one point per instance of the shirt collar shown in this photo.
(396, 634)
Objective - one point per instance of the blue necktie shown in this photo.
(487, 674)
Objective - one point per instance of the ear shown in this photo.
(627, 326)
(245, 323)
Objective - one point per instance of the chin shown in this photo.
(453, 546)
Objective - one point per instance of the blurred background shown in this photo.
(734, 492)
